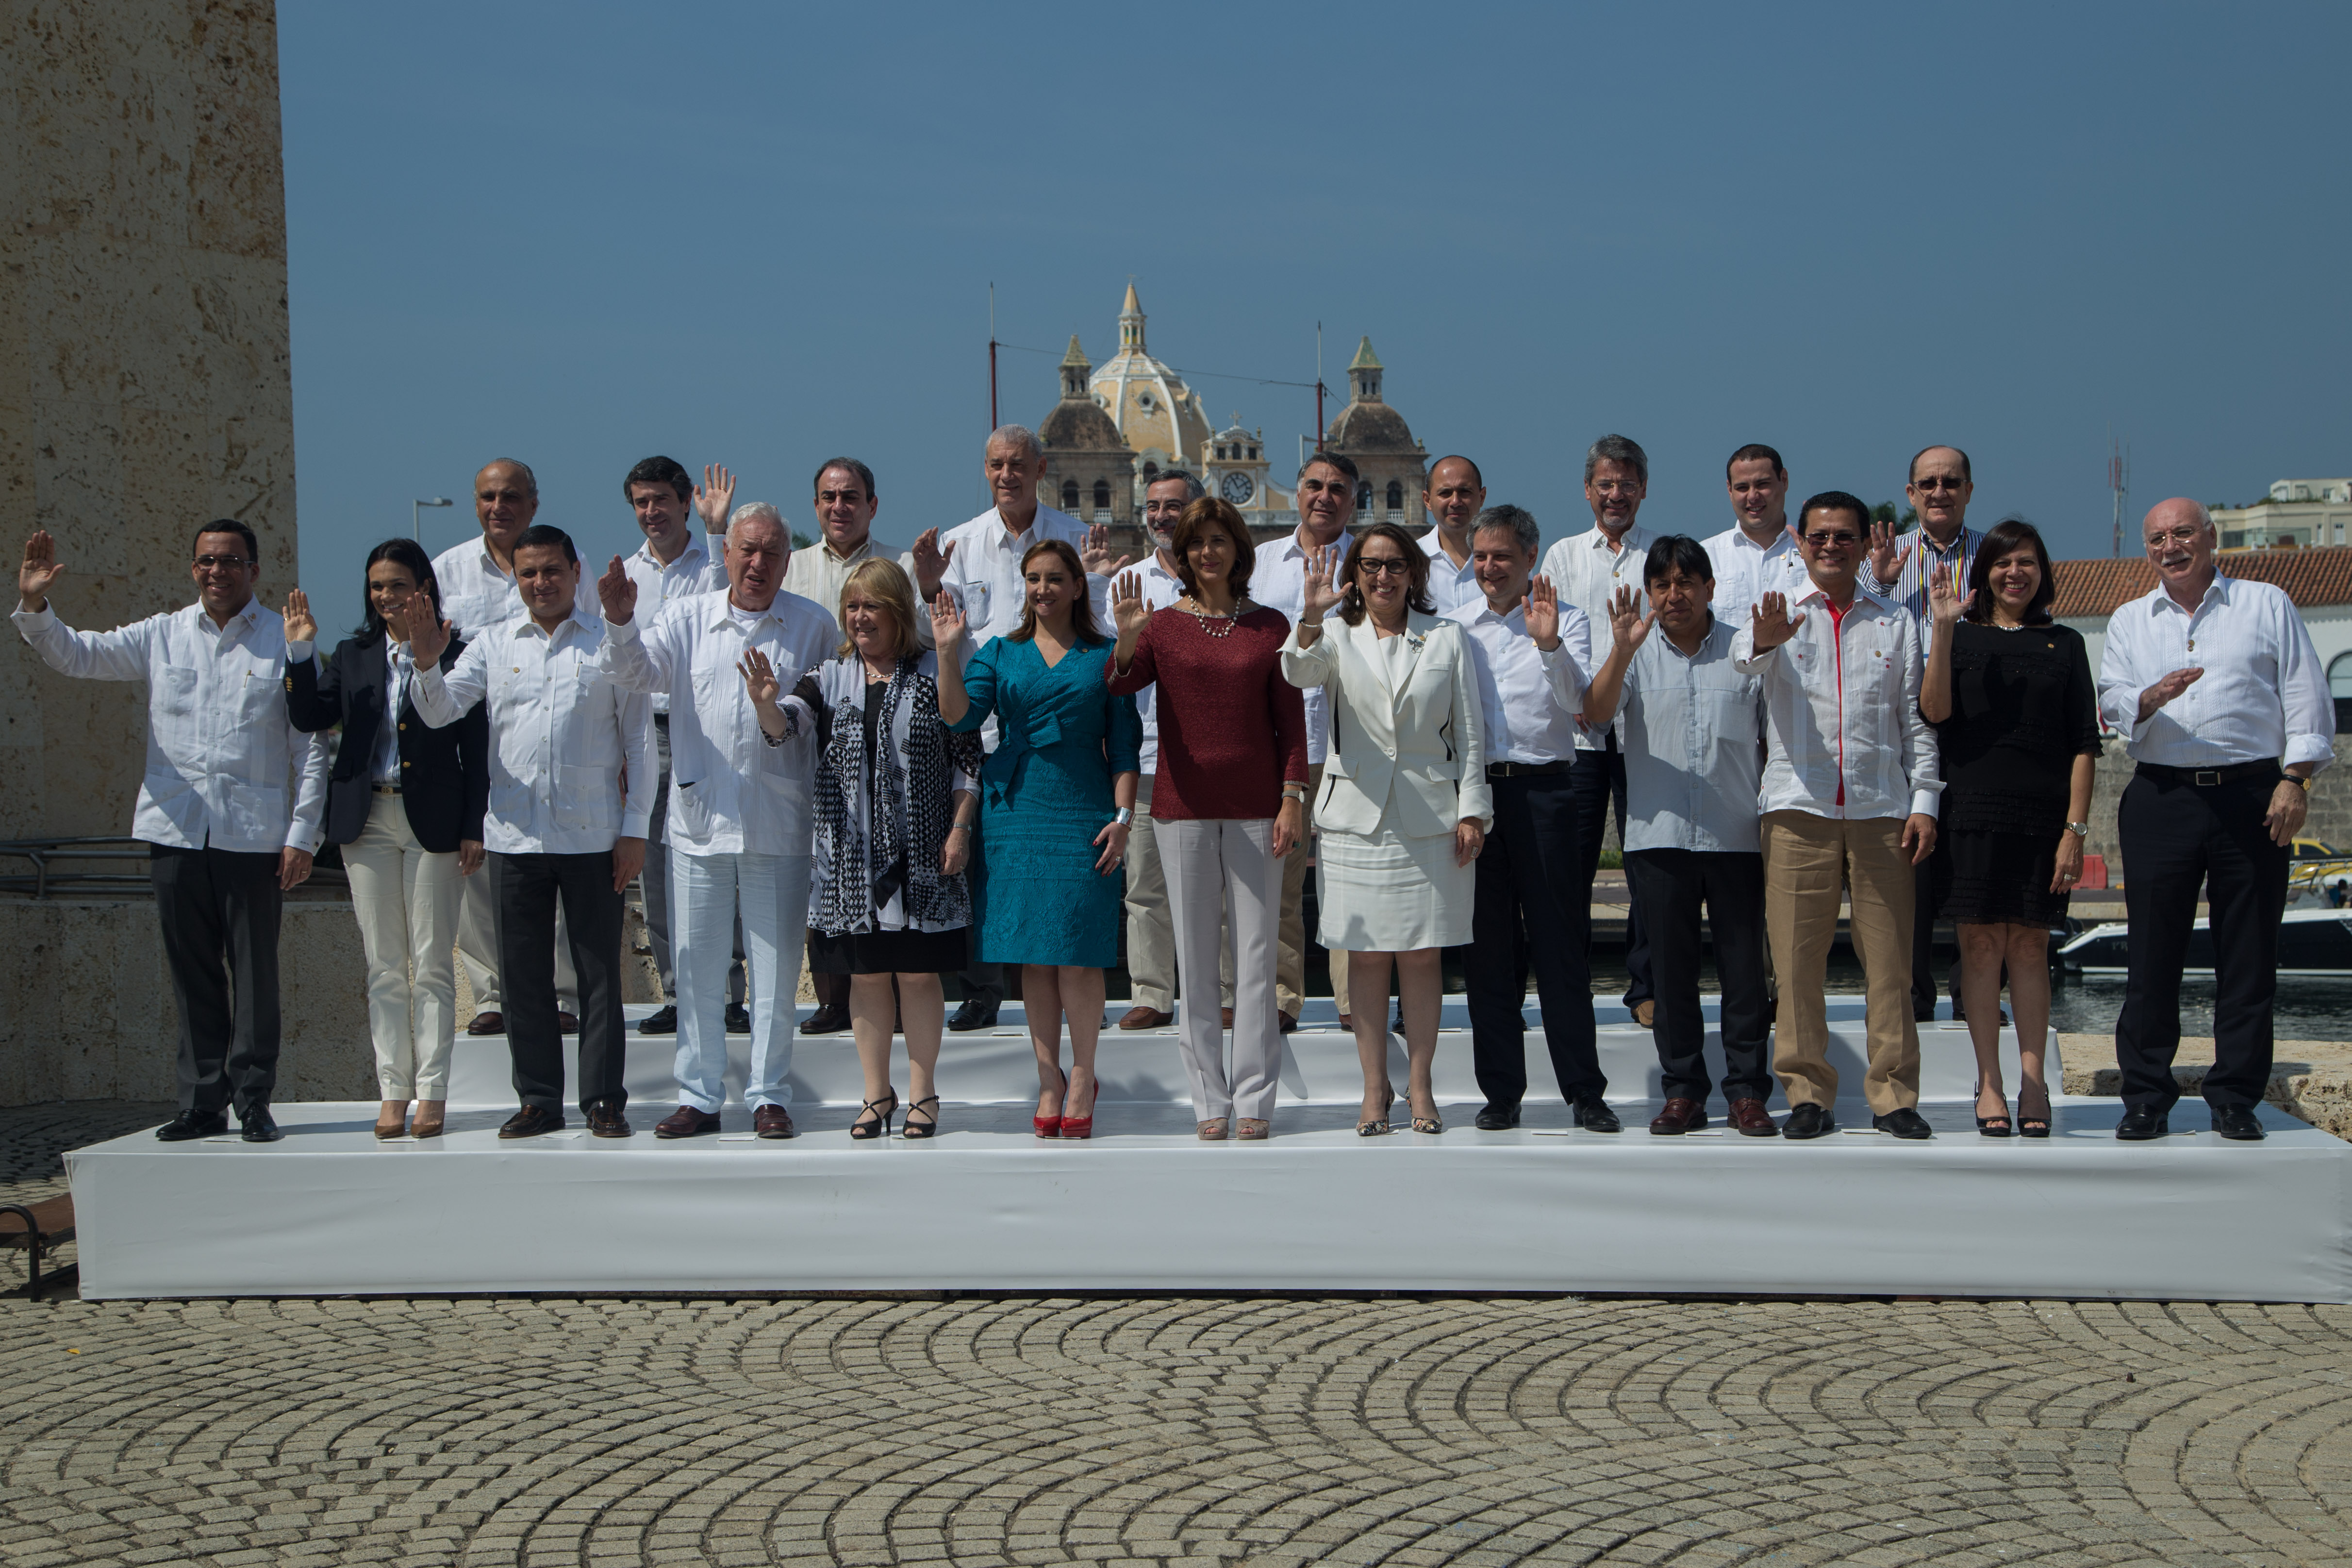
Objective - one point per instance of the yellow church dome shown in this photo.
(1158, 416)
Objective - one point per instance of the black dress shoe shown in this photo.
(663, 1019)
(975, 1013)
(1592, 1113)
(739, 1019)
(1497, 1119)
(190, 1125)
(606, 1120)
(566, 1023)
(2238, 1121)
(1809, 1122)
(2138, 1126)
(530, 1122)
(826, 1020)
(259, 1126)
(1904, 1124)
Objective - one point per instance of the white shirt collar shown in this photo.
(725, 609)
(693, 547)
(2161, 598)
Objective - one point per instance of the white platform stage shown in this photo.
(1144, 1206)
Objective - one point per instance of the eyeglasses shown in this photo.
(2182, 535)
(1612, 487)
(1938, 482)
(221, 562)
(1833, 542)
(1374, 566)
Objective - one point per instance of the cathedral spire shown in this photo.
(1130, 322)
(1074, 368)
(1364, 371)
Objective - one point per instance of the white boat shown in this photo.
(2313, 945)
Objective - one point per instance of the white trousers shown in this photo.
(1213, 866)
(705, 892)
(1151, 929)
(477, 949)
(407, 899)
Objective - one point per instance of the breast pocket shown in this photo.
(175, 691)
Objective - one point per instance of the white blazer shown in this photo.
(1413, 757)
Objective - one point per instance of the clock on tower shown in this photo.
(1238, 488)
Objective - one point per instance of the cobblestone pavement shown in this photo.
(1271, 1431)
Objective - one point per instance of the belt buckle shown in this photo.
(2205, 778)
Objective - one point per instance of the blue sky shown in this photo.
(580, 235)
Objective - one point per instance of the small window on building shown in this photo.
(1396, 495)
(1150, 472)
(1364, 497)
(1102, 495)
(1069, 495)
(1252, 454)
(2339, 677)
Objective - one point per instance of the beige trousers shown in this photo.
(1150, 927)
(1290, 941)
(1213, 867)
(1809, 862)
(406, 898)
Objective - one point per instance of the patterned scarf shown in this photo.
(871, 846)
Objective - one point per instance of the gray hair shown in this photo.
(1618, 449)
(1518, 519)
(757, 512)
(1193, 488)
(1019, 436)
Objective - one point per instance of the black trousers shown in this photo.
(1531, 914)
(219, 910)
(528, 888)
(982, 983)
(2176, 837)
(1924, 911)
(1668, 887)
(1598, 780)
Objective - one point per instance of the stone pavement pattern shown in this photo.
(980, 1431)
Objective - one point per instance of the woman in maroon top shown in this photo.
(1228, 801)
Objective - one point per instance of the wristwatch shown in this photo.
(2080, 830)
(2303, 780)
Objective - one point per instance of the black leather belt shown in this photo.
(1521, 770)
(386, 788)
(2267, 769)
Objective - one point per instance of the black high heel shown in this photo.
(862, 1129)
(1999, 1126)
(2033, 1126)
(910, 1128)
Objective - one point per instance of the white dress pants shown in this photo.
(477, 949)
(1213, 865)
(407, 900)
(705, 892)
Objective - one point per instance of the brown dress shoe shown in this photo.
(566, 1023)
(1146, 1018)
(530, 1122)
(773, 1121)
(487, 1023)
(686, 1121)
(1286, 1022)
(1224, 1017)
(1750, 1116)
(1682, 1114)
(606, 1119)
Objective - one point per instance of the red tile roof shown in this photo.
(2311, 577)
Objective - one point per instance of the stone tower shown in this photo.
(1390, 464)
(1089, 468)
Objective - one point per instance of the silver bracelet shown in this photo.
(1124, 817)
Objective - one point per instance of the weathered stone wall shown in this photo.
(90, 1014)
(145, 386)
(2331, 802)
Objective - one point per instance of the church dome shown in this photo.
(1079, 427)
(1155, 413)
(1371, 427)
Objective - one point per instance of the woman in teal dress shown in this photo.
(1056, 797)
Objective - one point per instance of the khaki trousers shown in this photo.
(1290, 940)
(1808, 861)
(406, 898)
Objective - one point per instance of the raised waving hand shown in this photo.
(300, 625)
(714, 498)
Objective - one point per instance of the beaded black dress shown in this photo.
(2023, 707)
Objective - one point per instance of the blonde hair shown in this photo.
(886, 580)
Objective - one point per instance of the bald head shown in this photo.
(2179, 535)
(505, 499)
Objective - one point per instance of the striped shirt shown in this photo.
(1915, 553)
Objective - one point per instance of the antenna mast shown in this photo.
(2118, 482)
(991, 357)
(1319, 386)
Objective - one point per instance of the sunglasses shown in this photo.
(1833, 541)
(221, 562)
(1938, 482)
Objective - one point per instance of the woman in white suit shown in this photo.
(1403, 806)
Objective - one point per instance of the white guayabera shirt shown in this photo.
(225, 767)
(1587, 573)
(2262, 694)
(572, 755)
(700, 568)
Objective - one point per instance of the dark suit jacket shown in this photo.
(445, 774)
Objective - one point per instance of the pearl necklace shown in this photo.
(1211, 624)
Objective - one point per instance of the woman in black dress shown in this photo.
(895, 797)
(2016, 714)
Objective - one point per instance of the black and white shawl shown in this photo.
(877, 852)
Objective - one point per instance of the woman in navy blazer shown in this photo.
(405, 802)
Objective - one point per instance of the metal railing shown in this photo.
(55, 861)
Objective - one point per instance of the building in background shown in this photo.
(2299, 514)
(1120, 424)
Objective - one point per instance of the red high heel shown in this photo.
(1051, 1126)
(1080, 1126)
